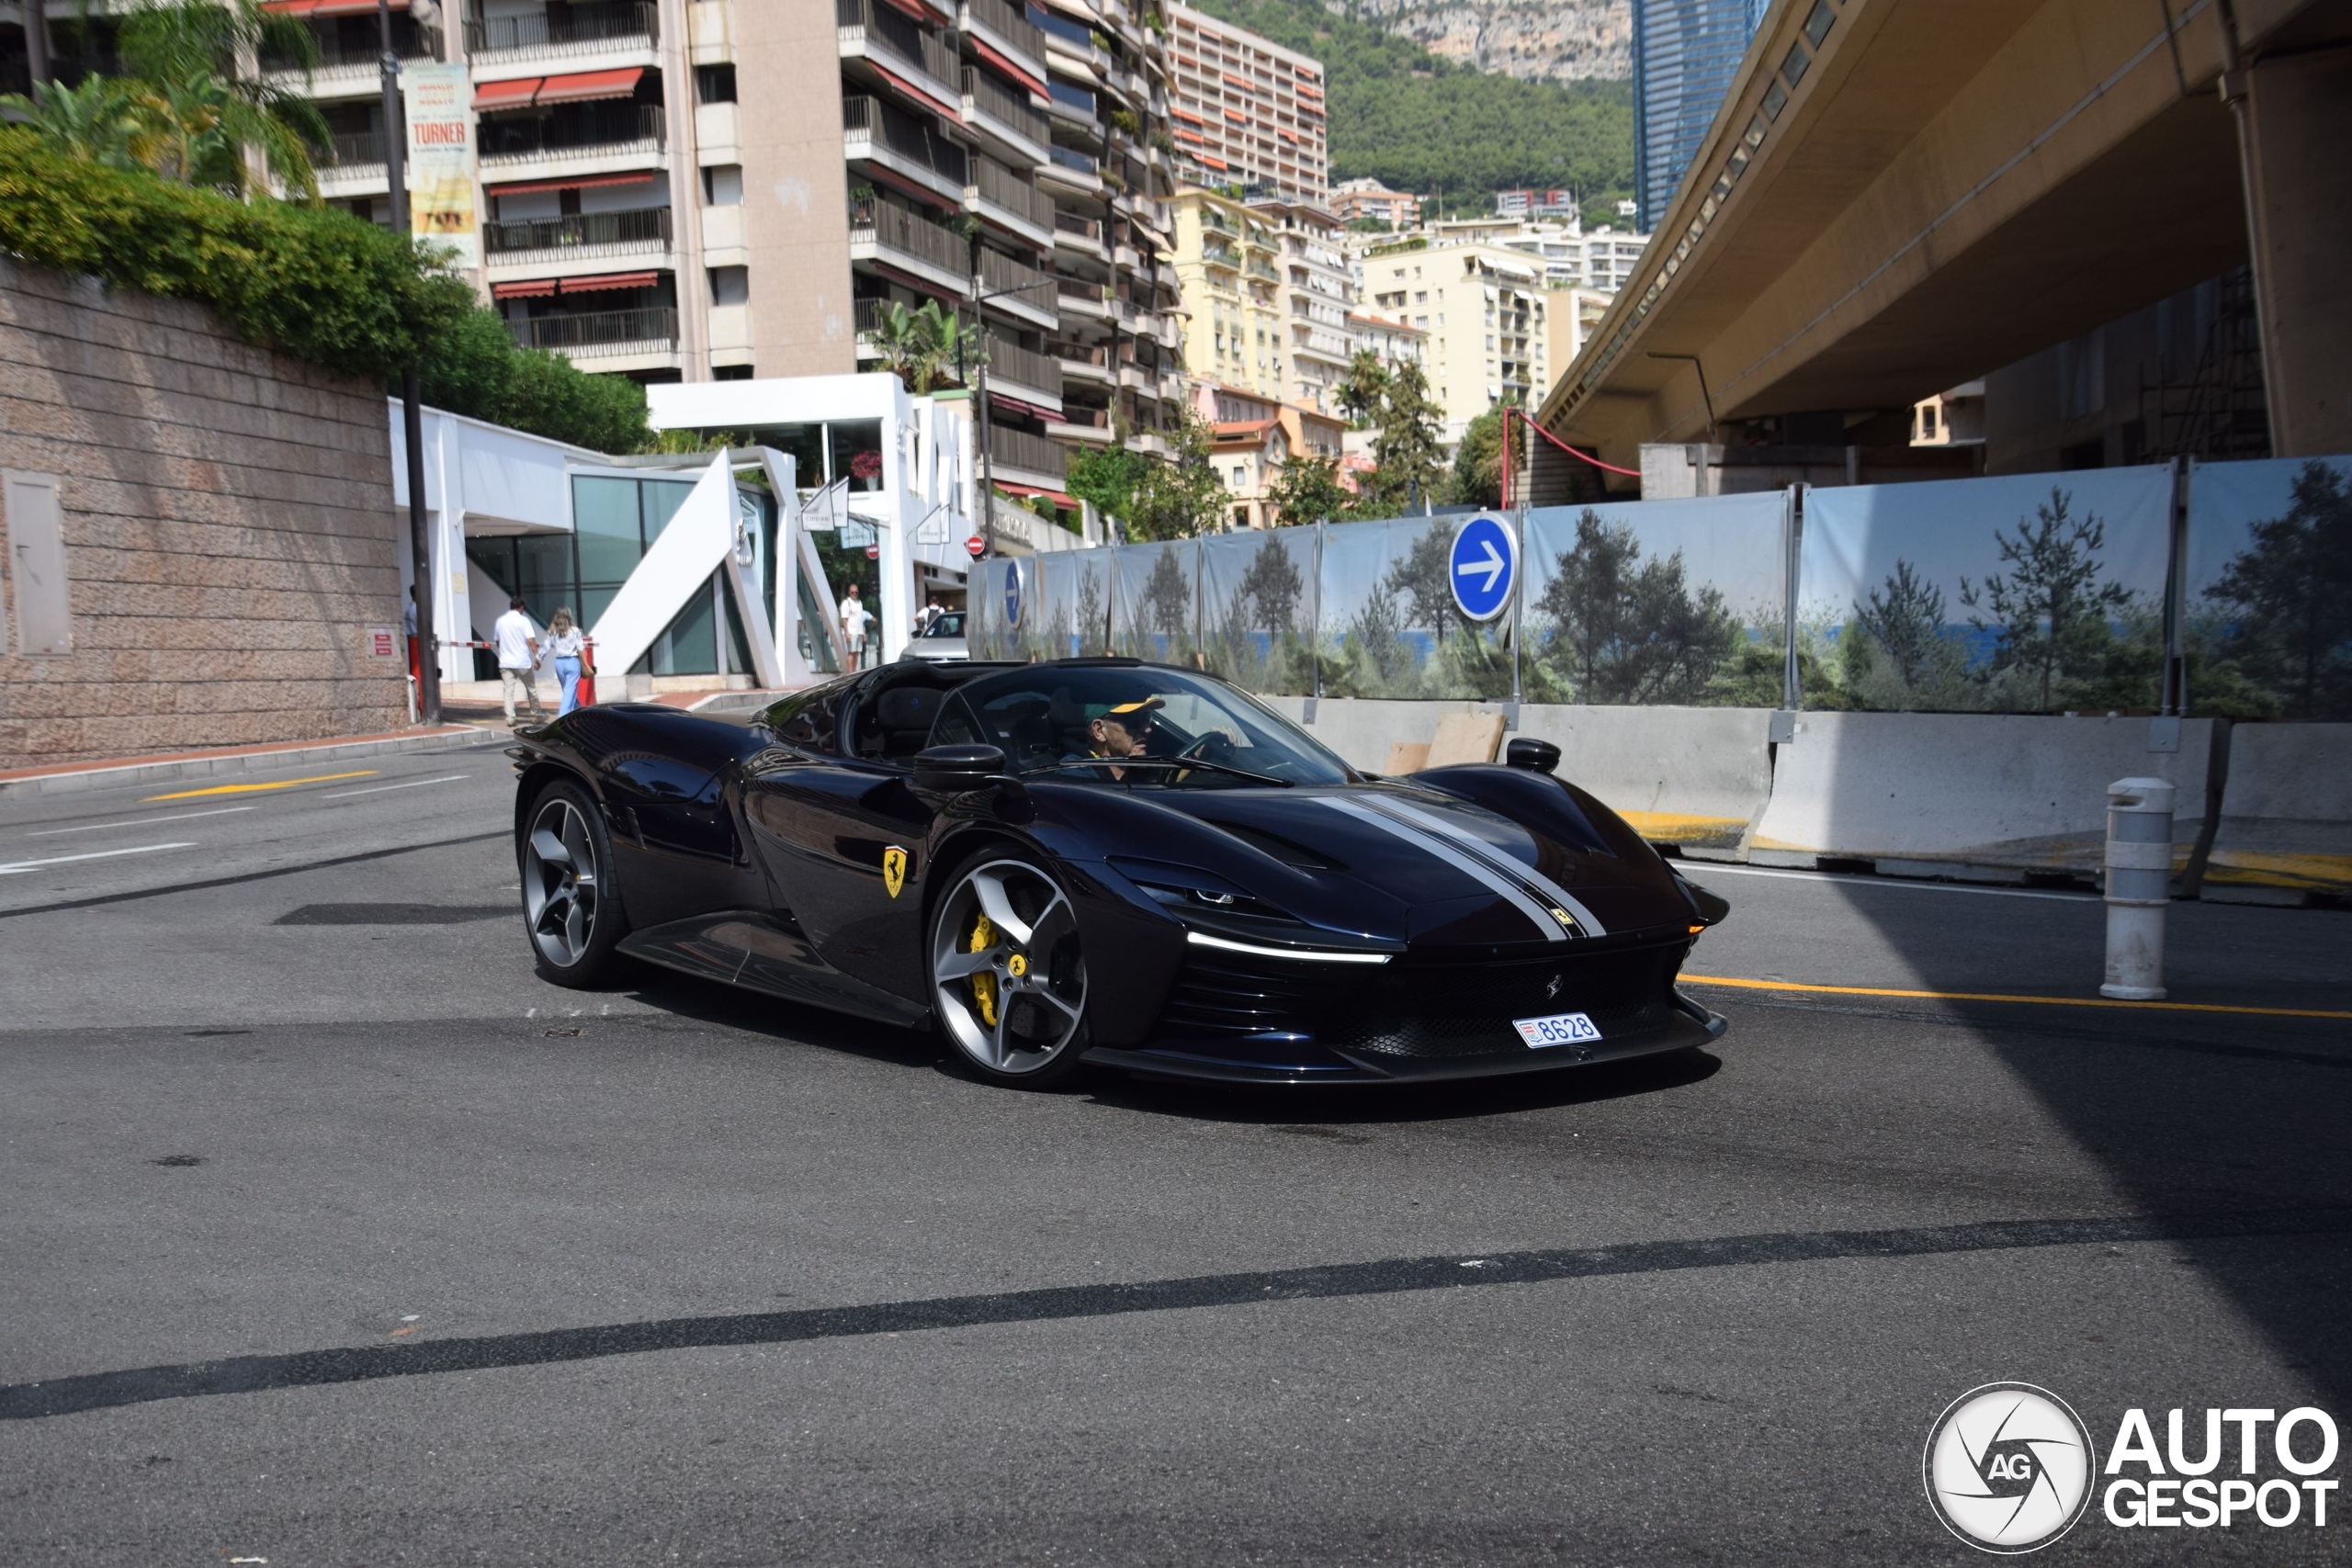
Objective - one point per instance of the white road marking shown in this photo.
(141, 822)
(98, 854)
(378, 789)
(1700, 870)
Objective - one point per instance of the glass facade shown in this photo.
(1685, 54)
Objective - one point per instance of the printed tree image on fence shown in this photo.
(1257, 615)
(2049, 617)
(1404, 635)
(2276, 632)
(1619, 630)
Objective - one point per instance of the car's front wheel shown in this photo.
(1008, 977)
(570, 903)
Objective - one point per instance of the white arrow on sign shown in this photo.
(1492, 566)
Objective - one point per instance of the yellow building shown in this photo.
(1573, 313)
(1484, 308)
(1228, 265)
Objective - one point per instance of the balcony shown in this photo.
(895, 237)
(648, 331)
(1079, 363)
(1083, 300)
(349, 58)
(1009, 201)
(587, 27)
(582, 236)
(1018, 457)
(1082, 235)
(871, 32)
(1006, 29)
(993, 108)
(1088, 426)
(1075, 104)
(1026, 374)
(1072, 169)
(1022, 291)
(907, 145)
(601, 135)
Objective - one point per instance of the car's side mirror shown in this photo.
(1535, 756)
(952, 770)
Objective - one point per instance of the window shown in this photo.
(1817, 24)
(1793, 69)
(731, 285)
(1776, 98)
(714, 84)
(722, 185)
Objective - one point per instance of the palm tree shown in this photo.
(207, 117)
(98, 120)
(917, 344)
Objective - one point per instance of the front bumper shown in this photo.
(1292, 1057)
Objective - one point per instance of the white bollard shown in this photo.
(2139, 884)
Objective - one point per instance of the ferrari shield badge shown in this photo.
(894, 869)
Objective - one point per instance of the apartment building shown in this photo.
(1390, 341)
(1570, 315)
(1535, 204)
(1317, 293)
(1245, 111)
(1604, 259)
(1355, 200)
(1484, 308)
(691, 190)
(1253, 438)
(1228, 266)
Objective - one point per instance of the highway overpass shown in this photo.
(1899, 196)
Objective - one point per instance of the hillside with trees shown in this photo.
(1403, 115)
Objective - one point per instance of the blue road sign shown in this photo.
(1012, 593)
(1483, 565)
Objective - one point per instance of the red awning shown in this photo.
(609, 280)
(1188, 114)
(512, 94)
(1056, 497)
(577, 182)
(327, 7)
(521, 290)
(1026, 78)
(586, 85)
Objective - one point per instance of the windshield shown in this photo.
(1128, 726)
(949, 623)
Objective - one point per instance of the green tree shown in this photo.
(1406, 453)
(1479, 462)
(1109, 477)
(96, 120)
(1182, 498)
(1307, 489)
(201, 120)
(2049, 611)
(1364, 391)
(2290, 599)
(918, 345)
(1629, 631)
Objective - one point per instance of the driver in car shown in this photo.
(1119, 730)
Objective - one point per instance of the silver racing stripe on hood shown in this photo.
(1469, 865)
(1527, 875)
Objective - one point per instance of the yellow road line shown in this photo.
(247, 789)
(2003, 996)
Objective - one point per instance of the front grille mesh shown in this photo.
(1420, 1010)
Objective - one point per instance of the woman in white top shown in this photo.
(565, 644)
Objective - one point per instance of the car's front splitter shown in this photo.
(1693, 1025)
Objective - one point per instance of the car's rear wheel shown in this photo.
(570, 903)
(1008, 977)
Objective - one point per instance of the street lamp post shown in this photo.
(419, 538)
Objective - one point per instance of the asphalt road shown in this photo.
(338, 1237)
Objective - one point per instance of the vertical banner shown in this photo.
(438, 101)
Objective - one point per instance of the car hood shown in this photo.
(1474, 857)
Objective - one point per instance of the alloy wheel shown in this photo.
(559, 882)
(1008, 979)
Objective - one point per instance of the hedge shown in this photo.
(317, 283)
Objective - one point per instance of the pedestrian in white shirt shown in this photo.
(855, 618)
(518, 654)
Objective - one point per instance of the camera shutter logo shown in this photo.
(2008, 1468)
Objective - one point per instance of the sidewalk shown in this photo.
(66, 778)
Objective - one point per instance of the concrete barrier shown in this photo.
(1360, 730)
(1982, 796)
(1695, 778)
(2286, 827)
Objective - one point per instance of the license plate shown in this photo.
(1560, 1029)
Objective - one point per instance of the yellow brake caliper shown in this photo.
(984, 983)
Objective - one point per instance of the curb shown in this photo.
(105, 776)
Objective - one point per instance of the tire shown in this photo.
(1008, 977)
(571, 908)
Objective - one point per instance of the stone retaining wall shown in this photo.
(229, 529)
